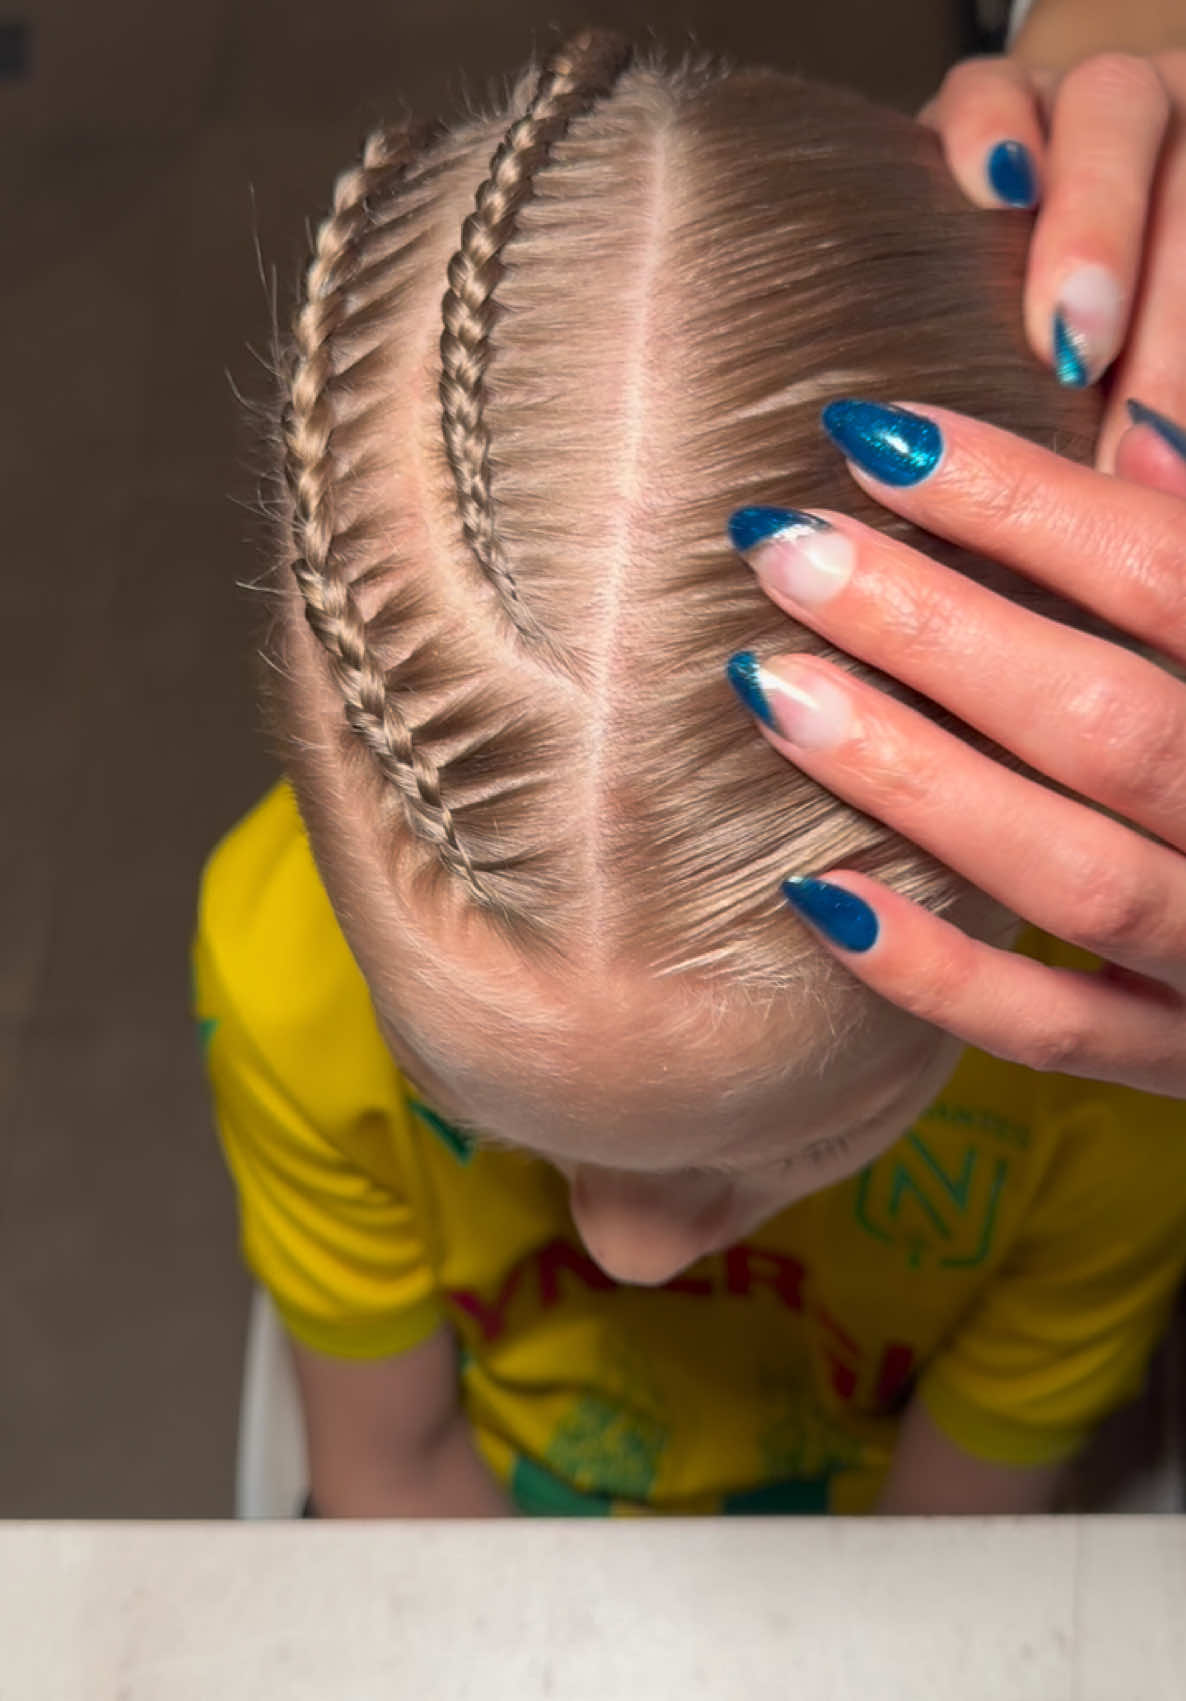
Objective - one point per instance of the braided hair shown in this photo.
(571, 80)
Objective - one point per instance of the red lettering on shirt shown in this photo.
(746, 1269)
(560, 1255)
(833, 1328)
(750, 1267)
(491, 1319)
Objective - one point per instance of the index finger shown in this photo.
(1111, 546)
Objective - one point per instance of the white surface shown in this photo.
(271, 1477)
(1043, 1609)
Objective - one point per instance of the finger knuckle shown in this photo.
(1111, 905)
(1128, 740)
(920, 621)
(998, 496)
(895, 780)
(1054, 1045)
(1115, 77)
(939, 978)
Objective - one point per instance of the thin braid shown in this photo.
(330, 605)
(572, 79)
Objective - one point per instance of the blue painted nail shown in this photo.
(743, 672)
(749, 527)
(1165, 428)
(1011, 174)
(895, 445)
(840, 916)
(1069, 365)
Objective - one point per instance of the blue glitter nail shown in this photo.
(1166, 429)
(839, 915)
(749, 527)
(895, 445)
(1069, 366)
(742, 671)
(1011, 174)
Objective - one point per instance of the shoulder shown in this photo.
(270, 955)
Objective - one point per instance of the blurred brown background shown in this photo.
(142, 147)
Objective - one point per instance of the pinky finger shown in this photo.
(1104, 1027)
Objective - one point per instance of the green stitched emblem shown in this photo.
(207, 1027)
(607, 1449)
(908, 1199)
(800, 1441)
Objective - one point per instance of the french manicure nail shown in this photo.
(798, 555)
(1011, 175)
(744, 673)
(797, 703)
(1166, 429)
(894, 445)
(1087, 324)
(840, 916)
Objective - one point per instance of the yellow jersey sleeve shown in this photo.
(1065, 1332)
(305, 1097)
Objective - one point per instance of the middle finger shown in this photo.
(1101, 721)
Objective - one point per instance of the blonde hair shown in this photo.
(505, 510)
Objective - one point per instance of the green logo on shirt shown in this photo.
(603, 1448)
(912, 1200)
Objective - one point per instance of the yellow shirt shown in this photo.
(1012, 1258)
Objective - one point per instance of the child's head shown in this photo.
(553, 839)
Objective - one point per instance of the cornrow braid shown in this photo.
(331, 607)
(571, 81)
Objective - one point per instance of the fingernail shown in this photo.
(840, 916)
(1166, 429)
(1087, 322)
(891, 443)
(1011, 174)
(795, 702)
(799, 555)
(744, 673)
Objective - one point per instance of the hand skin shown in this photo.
(1057, 34)
(388, 1438)
(930, 1476)
(1095, 91)
(1105, 723)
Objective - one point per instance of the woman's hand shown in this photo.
(1105, 723)
(1101, 150)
